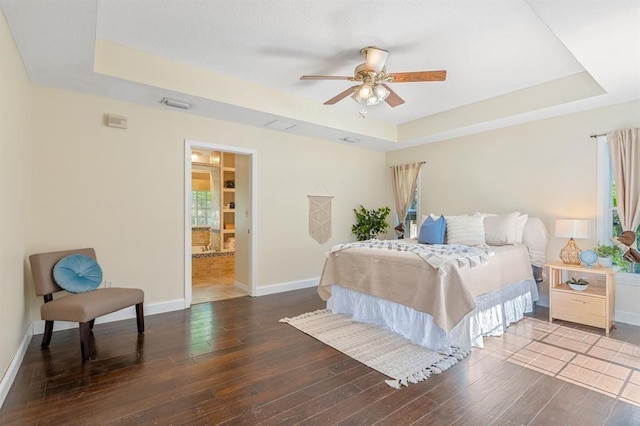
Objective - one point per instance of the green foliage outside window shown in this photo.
(201, 211)
(623, 264)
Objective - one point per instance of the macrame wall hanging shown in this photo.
(320, 217)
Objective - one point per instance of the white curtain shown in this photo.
(624, 146)
(405, 179)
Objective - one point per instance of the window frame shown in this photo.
(604, 220)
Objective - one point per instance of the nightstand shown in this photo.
(595, 306)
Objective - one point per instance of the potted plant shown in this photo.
(370, 223)
(609, 255)
(605, 254)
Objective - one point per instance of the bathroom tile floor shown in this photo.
(220, 288)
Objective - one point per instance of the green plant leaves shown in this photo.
(370, 223)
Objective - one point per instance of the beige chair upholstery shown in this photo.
(82, 308)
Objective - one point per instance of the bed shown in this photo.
(448, 299)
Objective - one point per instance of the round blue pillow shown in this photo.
(77, 273)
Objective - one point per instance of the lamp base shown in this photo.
(570, 254)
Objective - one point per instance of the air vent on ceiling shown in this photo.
(279, 125)
(175, 104)
(350, 140)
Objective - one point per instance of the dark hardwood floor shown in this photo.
(232, 362)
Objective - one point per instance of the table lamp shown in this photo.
(571, 228)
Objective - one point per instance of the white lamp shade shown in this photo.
(572, 228)
(376, 59)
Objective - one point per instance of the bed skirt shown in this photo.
(493, 313)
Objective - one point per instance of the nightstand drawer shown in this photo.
(580, 308)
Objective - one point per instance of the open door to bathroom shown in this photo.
(213, 221)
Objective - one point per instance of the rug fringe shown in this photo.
(428, 363)
(437, 368)
(306, 315)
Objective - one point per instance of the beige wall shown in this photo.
(122, 191)
(545, 168)
(15, 137)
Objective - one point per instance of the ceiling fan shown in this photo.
(373, 79)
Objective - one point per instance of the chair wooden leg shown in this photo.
(91, 323)
(48, 331)
(85, 345)
(140, 317)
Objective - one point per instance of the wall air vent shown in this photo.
(116, 121)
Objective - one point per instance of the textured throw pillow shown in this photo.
(77, 273)
(432, 231)
(501, 229)
(465, 230)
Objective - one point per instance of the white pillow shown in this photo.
(501, 229)
(424, 217)
(522, 222)
(466, 230)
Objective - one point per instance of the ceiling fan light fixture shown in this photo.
(370, 94)
(381, 92)
(362, 93)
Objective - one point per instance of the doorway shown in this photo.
(220, 193)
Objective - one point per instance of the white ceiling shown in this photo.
(491, 49)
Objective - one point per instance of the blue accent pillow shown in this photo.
(432, 231)
(77, 273)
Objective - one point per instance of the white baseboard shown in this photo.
(14, 366)
(241, 286)
(627, 317)
(282, 287)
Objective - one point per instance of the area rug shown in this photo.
(376, 347)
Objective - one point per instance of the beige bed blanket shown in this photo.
(403, 277)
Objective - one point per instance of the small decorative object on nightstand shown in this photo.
(579, 284)
(592, 304)
(588, 257)
(571, 228)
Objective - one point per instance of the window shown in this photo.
(617, 227)
(608, 223)
(201, 209)
(205, 196)
(411, 222)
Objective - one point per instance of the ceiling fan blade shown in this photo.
(416, 76)
(325, 77)
(341, 96)
(393, 100)
(375, 58)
